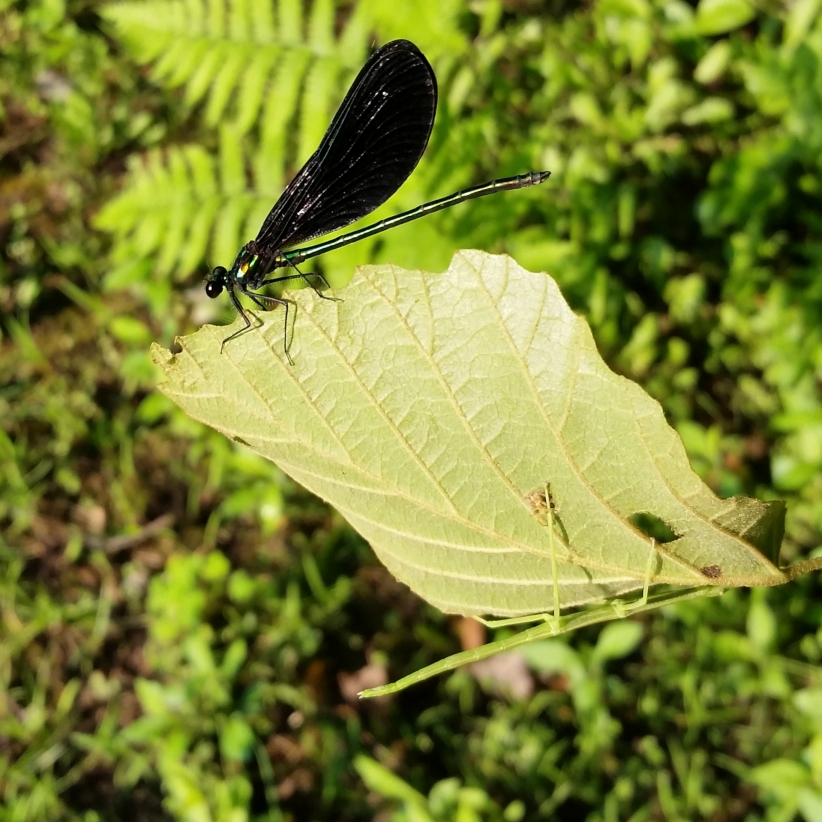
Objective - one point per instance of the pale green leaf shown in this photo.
(713, 65)
(800, 18)
(720, 16)
(617, 640)
(236, 738)
(385, 782)
(433, 411)
(625, 9)
(782, 778)
(762, 624)
(151, 695)
(554, 656)
(809, 803)
(710, 110)
(130, 330)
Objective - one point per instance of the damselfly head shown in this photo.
(216, 282)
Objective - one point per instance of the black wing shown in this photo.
(373, 143)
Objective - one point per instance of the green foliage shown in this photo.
(209, 702)
(682, 219)
(447, 800)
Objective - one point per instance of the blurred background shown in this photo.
(183, 630)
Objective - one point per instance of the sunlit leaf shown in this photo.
(439, 412)
(719, 16)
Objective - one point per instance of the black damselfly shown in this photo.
(373, 143)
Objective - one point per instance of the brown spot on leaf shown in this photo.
(711, 571)
(541, 502)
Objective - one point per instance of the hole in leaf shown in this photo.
(653, 527)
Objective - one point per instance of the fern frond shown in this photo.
(273, 66)
(252, 91)
(290, 14)
(279, 113)
(171, 205)
(321, 27)
(227, 52)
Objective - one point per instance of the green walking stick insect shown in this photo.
(544, 507)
